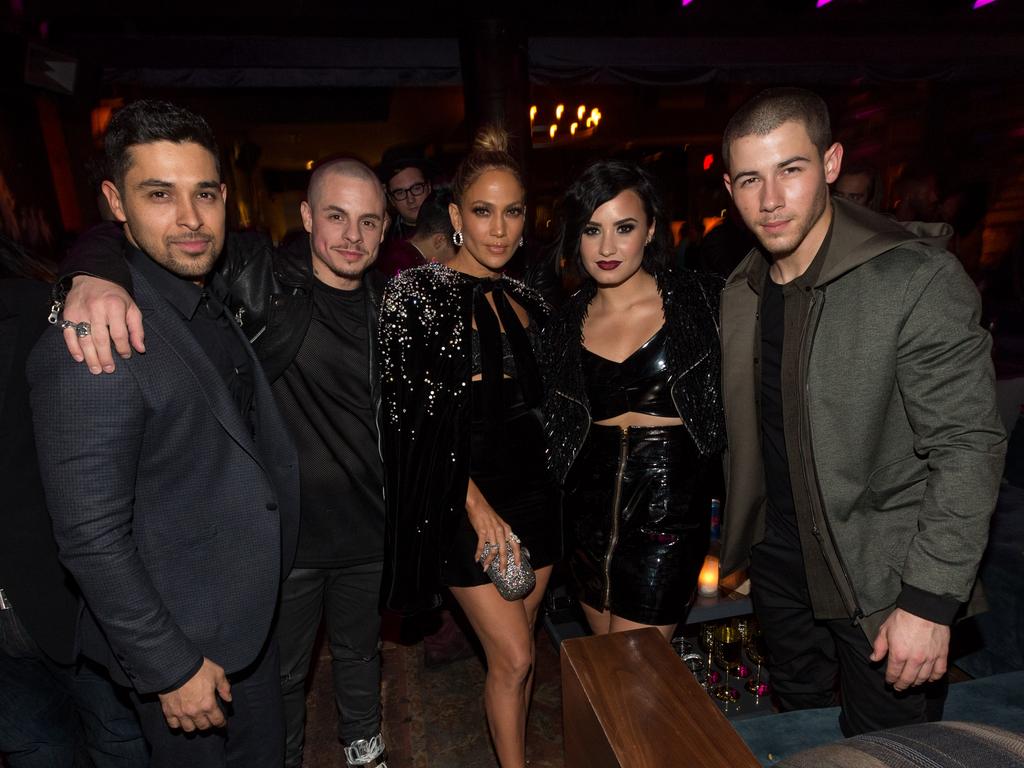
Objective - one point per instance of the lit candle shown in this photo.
(708, 579)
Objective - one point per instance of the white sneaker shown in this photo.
(368, 753)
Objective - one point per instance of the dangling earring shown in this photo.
(457, 238)
(522, 242)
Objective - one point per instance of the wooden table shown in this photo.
(628, 700)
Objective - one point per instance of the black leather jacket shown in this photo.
(271, 291)
(690, 302)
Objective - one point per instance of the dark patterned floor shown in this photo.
(434, 717)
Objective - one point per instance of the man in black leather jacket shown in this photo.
(311, 316)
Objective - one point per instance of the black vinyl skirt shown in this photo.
(639, 558)
(507, 466)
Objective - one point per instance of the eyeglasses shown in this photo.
(415, 190)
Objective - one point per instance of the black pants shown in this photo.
(348, 599)
(47, 709)
(808, 656)
(252, 738)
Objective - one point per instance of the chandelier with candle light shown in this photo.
(561, 126)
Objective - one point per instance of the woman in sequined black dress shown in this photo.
(633, 405)
(463, 435)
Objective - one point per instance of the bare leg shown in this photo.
(603, 622)
(532, 605)
(619, 624)
(505, 630)
(600, 621)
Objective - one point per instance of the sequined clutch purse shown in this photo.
(516, 581)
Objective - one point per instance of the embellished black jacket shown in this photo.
(425, 329)
(690, 302)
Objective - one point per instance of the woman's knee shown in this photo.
(512, 667)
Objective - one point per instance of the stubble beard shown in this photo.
(183, 266)
(783, 247)
(344, 269)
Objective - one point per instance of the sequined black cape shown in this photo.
(425, 324)
(690, 301)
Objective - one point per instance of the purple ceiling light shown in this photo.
(982, 3)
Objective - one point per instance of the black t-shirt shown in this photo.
(785, 311)
(780, 521)
(325, 397)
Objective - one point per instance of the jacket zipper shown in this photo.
(258, 334)
(675, 403)
(586, 433)
(613, 538)
(810, 473)
(270, 308)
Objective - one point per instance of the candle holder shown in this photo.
(707, 582)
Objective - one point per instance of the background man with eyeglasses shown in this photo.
(408, 186)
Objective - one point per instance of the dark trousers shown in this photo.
(57, 716)
(252, 738)
(807, 656)
(347, 598)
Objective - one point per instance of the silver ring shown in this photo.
(82, 329)
(65, 324)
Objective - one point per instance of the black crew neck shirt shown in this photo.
(785, 313)
(325, 398)
(780, 519)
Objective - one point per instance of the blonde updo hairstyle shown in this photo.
(489, 152)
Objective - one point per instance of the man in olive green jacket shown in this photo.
(865, 449)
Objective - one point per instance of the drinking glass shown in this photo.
(758, 654)
(727, 649)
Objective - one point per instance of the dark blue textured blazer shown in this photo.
(176, 522)
(30, 574)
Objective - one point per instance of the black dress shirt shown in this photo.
(204, 310)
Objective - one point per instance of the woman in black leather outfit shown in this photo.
(634, 412)
(464, 437)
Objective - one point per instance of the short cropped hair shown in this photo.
(433, 217)
(147, 121)
(341, 165)
(775, 106)
(599, 183)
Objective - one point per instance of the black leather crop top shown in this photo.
(641, 383)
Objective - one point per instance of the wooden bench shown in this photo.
(628, 700)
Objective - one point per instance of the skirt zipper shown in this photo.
(613, 538)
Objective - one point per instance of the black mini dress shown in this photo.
(636, 509)
(507, 445)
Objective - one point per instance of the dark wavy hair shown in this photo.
(601, 182)
(147, 121)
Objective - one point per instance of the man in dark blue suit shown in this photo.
(173, 482)
(54, 706)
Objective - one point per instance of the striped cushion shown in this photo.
(927, 745)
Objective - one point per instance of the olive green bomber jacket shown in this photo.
(902, 440)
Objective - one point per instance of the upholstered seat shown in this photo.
(927, 745)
